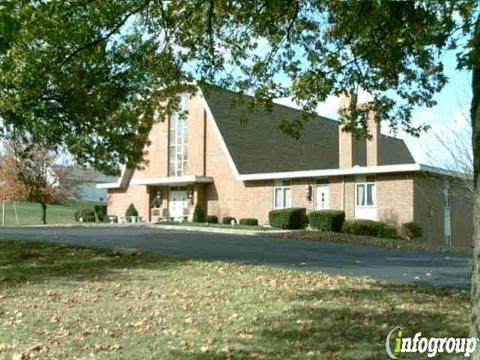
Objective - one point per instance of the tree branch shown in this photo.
(97, 41)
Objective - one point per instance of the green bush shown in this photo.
(327, 220)
(227, 220)
(101, 211)
(292, 218)
(370, 228)
(211, 219)
(198, 214)
(131, 211)
(412, 230)
(85, 215)
(249, 222)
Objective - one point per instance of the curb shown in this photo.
(217, 230)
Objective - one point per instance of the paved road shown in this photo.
(392, 265)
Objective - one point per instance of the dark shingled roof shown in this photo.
(259, 146)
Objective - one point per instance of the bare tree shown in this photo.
(451, 148)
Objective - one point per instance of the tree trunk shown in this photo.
(475, 117)
(44, 213)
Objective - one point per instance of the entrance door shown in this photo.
(177, 201)
(323, 197)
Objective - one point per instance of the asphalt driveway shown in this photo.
(392, 265)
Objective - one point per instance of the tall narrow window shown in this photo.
(178, 133)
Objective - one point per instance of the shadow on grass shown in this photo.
(350, 324)
(22, 261)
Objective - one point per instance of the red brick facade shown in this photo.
(400, 197)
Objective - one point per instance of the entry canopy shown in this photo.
(172, 180)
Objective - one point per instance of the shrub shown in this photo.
(292, 218)
(249, 221)
(85, 215)
(412, 230)
(228, 220)
(211, 219)
(131, 211)
(101, 211)
(327, 220)
(198, 214)
(370, 228)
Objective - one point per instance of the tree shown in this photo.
(27, 175)
(452, 149)
(90, 75)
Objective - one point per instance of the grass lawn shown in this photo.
(316, 235)
(61, 302)
(30, 213)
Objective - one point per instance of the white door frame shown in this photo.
(323, 189)
(177, 201)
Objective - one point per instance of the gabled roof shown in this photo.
(259, 146)
(84, 174)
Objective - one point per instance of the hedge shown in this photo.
(211, 219)
(370, 228)
(198, 214)
(249, 221)
(101, 211)
(412, 230)
(327, 220)
(291, 218)
(131, 211)
(227, 220)
(85, 215)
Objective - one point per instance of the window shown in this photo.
(365, 191)
(282, 195)
(177, 158)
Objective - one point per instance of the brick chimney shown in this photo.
(373, 144)
(346, 141)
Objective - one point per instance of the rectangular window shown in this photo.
(365, 192)
(282, 195)
(177, 158)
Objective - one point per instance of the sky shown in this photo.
(447, 118)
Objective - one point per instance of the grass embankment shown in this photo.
(399, 243)
(30, 213)
(62, 302)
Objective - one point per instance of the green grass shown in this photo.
(30, 213)
(62, 302)
(399, 243)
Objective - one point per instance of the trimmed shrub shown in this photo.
(227, 220)
(249, 221)
(85, 215)
(211, 219)
(131, 211)
(101, 211)
(370, 228)
(198, 214)
(292, 218)
(327, 220)
(412, 230)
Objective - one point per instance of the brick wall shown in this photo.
(429, 211)
(394, 197)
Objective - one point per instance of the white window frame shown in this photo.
(286, 201)
(178, 146)
(362, 181)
